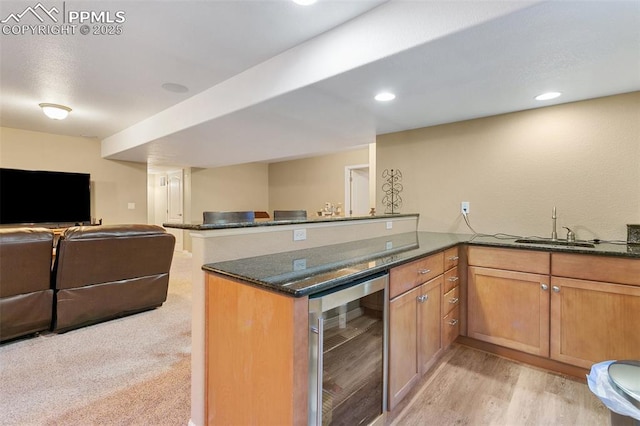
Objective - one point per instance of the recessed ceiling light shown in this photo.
(175, 88)
(304, 2)
(385, 96)
(547, 96)
(55, 111)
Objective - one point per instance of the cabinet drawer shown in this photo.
(451, 279)
(536, 262)
(405, 277)
(596, 268)
(450, 300)
(451, 257)
(450, 327)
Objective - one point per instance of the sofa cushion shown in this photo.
(25, 260)
(25, 314)
(93, 255)
(104, 272)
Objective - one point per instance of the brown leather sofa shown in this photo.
(109, 271)
(26, 295)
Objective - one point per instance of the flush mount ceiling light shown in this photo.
(547, 96)
(385, 96)
(55, 111)
(304, 2)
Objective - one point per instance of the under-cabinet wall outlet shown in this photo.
(299, 234)
(389, 225)
(464, 207)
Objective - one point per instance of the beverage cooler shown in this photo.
(348, 354)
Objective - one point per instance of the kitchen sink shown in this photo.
(563, 243)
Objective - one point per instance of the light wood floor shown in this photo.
(471, 387)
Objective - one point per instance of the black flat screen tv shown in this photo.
(44, 197)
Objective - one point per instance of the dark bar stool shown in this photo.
(289, 215)
(227, 217)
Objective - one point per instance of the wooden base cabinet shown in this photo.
(414, 336)
(415, 291)
(586, 311)
(508, 298)
(509, 308)
(595, 308)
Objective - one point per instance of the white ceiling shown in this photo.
(270, 80)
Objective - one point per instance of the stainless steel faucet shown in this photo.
(554, 233)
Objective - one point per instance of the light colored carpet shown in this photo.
(132, 370)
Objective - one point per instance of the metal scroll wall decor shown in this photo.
(392, 189)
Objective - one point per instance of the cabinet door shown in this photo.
(509, 308)
(404, 369)
(594, 321)
(429, 320)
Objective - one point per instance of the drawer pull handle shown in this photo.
(424, 271)
(423, 298)
(453, 279)
(453, 300)
(556, 289)
(544, 287)
(453, 322)
(453, 258)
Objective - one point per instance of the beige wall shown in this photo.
(582, 157)
(114, 184)
(242, 187)
(307, 184)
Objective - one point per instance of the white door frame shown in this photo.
(177, 209)
(347, 186)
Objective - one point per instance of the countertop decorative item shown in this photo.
(392, 189)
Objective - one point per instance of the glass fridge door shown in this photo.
(351, 356)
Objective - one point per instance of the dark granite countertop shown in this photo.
(601, 249)
(310, 271)
(267, 222)
(306, 272)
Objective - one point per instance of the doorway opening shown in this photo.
(166, 201)
(356, 190)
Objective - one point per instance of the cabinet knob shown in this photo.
(556, 289)
(544, 287)
(453, 322)
(453, 300)
(423, 298)
(424, 271)
(453, 258)
(453, 279)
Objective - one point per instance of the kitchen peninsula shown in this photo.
(223, 242)
(340, 251)
(282, 314)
